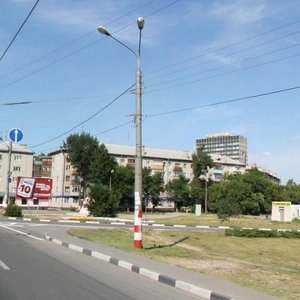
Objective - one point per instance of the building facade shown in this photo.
(170, 163)
(21, 164)
(66, 181)
(42, 166)
(226, 144)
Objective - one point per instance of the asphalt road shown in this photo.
(34, 269)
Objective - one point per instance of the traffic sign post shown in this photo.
(16, 135)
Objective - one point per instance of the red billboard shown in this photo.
(38, 188)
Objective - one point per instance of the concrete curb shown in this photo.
(181, 285)
(129, 222)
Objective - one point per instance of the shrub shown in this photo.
(254, 233)
(13, 210)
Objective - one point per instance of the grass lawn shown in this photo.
(212, 220)
(270, 265)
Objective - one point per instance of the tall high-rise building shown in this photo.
(234, 146)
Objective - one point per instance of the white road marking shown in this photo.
(4, 266)
(23, 233)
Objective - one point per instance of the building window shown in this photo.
(18, 157)
(68, 178)
(17, 168)
(35, 201)
(68, 167)
(67, 189)
(1, 200)
(66, 200)
(24, 201)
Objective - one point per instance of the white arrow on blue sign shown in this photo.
(16, 135)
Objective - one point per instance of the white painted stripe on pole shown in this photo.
(265, 229)
(12, 218)
(193, 289)
(202, 226)
(158, 225)
(137, 236)
(76, 248)
(149, 274)
(27, 219)
(247, 228)
(180, 226)
(224, 227)
(117, 223)
(43, 220)
(4, 266)
(125, 265)
(23, 233)
(101, 256)
(92, 222)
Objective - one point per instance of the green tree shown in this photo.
(102, 166)
(201, 161)
(104, 201)
(153, 186)
(291, 192)
(179, 190)
(123, 182)
(81, 149)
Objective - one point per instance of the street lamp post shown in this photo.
(9, 149)
(138, 125)
(206, 178)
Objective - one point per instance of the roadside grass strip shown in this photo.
(181, 285)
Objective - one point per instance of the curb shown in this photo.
(129, 222)
(181, 285)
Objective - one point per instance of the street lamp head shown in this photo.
(102, 30)
(140, 23)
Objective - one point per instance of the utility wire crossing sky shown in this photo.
(208, 67)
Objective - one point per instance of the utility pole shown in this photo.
(8, 172)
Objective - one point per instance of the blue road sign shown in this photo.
(16, 135)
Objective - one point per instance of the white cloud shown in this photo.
(238, 12)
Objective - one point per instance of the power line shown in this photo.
(228, 64)
(113, 128)
(225, 102)
(224, 47)
(228, 55)
(83, 47)
(86, 120)
(224, 74)
(73, 41)
(20, 28)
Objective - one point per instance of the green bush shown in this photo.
(13, 210)
(254, 233)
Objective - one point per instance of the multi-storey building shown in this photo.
(66, 181)
(20, 161)
(42, 166)
(227, 144)
(171, 163)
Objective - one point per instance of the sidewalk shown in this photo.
(205, 286)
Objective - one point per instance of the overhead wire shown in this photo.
(208, 50)
(73, 41)
(86, 120)
(82, 48)
(227, 55)
(18, 31)
(224, 102)
(227, 64)
(223, 74)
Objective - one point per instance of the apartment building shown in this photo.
(226, 144)
(42, 166)
(21, 164)
(171, 163)
(65, 181)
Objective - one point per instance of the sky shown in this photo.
(209, 66)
